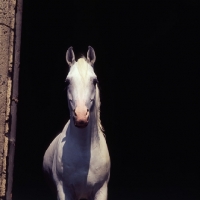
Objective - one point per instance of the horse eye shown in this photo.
(67, 82)
(95, 81)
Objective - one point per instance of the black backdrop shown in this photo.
(146, 66)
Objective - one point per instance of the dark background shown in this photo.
(147, 69)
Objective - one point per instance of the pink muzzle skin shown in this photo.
(81, 116)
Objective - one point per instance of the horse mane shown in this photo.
(82, 65)
(97, 108)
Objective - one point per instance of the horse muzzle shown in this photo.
(81, 116)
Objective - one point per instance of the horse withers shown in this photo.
(77, 161)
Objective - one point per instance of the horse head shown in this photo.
(81, 86)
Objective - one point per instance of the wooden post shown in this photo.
(10, 38)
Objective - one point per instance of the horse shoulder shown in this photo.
(51, 150)
(100, 160)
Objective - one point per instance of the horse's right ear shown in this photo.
(70, 58)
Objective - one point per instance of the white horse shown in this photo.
(77, 161)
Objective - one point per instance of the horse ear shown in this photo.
(91, 57)
(70, 58)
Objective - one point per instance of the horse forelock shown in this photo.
(83, 67)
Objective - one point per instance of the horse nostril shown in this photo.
(75, 113)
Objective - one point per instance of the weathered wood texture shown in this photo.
(14, 99)
(7, 24)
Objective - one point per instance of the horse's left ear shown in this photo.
(91, 57)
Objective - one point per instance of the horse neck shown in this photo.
(88, 135)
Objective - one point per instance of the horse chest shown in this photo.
(82, 169)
